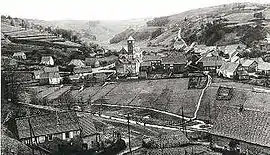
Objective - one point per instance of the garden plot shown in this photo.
(87, 93)
(45, 91)
(58, 93)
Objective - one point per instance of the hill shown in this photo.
(223, 24)
(98, 31)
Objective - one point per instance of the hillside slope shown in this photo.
(223, 24)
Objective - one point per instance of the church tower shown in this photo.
(130, 43)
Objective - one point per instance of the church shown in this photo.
(130, 59)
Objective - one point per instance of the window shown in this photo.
(50, 137)
(67, 134)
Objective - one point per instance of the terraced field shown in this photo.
(166, 94)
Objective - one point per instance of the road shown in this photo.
(209, 81)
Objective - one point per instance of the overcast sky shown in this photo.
(103, 9)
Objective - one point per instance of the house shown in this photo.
(263, 68)
(19, 55)
(174, 62)
(63, 125)
(151, 62)
(8, 62)
(76, 63)
(230, 52)
(248, 127)
(100, 77)
(250, 65)
(229, 70)
(37, 73)
(47, 60)
(93, 62)
(211, 63)
(82, 71)
(50, 78)
(107, 60)
(89, 133)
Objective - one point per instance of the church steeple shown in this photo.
(130, 43)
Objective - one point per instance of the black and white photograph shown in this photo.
(135, 77)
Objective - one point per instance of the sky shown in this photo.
(103, 9)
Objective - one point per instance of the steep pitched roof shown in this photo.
(87, 125)
(46, 58)
(248, 125)
(264, 66)
(174, 58)
(151, 57)
(130, 38)
(51, 69)
(49, 75)
(229, 67)
(19, 54)
(86, 69)
(77, 62)
(247, 63)
(47, 124)
(123, 51)
(211, 61)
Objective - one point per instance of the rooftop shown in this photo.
(47, 124)
(229, 66)
(247, 125)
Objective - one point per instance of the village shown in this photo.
(59, 97)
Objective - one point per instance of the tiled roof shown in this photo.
(46, 75)
(19, 54)
(47, 124)
(248, 62)
(212, 61)
(131, 38)
(248, 125)
(174, 58)
(87, 125)
(123, 51)
(46, 58)
(51, 69)
(77, 62)
(146, 64)
(90, 61)
(86, 69)
(151, 57)
(229, 67)
(171, 139)
(231, 48)
(264, 66)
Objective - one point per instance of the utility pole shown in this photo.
(128, 117)
(183, 122)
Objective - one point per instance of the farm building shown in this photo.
(246, 126)
(264, 68)
(81, 71)
(151, 62)
(167, 140)
(8, 62)
(89, 133)
(64, 125)
(19, 55)
(47, 60)
(37, 73)
(211, 64)
(250, 65)
(229, 70)
(76, 63)
(230, 52)
(93, 62)
(174, 62)
(50, 78)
